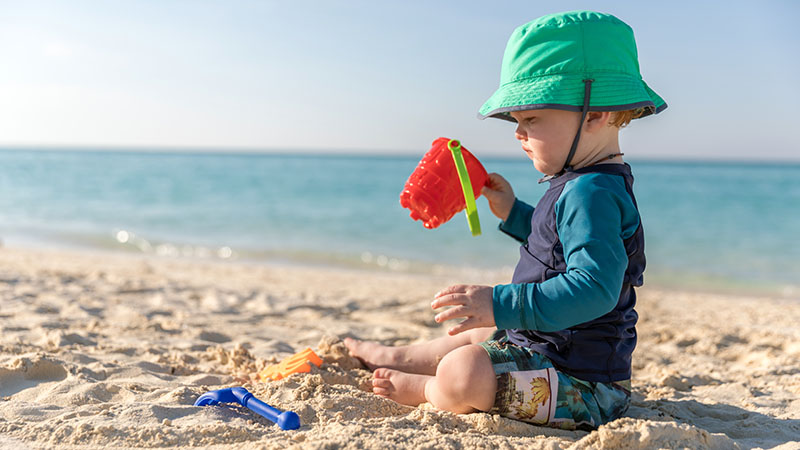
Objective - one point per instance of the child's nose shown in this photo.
(519, 134)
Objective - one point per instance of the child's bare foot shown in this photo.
(373, 355)
(405, 388)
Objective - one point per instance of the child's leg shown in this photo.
(418, 358)
(465, 382)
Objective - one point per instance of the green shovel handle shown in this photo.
(469, 196)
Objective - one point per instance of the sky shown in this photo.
(372, 76)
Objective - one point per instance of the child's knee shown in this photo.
(466, 375)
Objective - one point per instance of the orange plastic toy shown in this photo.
(434, 191)
(298, 363)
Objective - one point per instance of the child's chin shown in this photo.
(543, 168)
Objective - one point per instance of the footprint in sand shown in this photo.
(213, 336)
(24, 373)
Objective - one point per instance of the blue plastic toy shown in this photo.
(287, 420)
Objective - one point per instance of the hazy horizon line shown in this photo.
(336, 152)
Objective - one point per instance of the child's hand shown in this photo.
(500, 195)
(470, 301)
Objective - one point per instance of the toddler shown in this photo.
(554, 346)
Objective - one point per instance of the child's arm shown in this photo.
(592, 224)
(592, 220)
(515, 214)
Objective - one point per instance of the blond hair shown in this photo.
(621, 119)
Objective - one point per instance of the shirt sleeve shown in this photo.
(518, 223)
(591, 222)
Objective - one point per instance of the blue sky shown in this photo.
(373, 77)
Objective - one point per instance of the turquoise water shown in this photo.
(717, 226)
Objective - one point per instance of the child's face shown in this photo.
(546, 136)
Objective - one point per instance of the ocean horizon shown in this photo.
(360, 153)
(710, 225)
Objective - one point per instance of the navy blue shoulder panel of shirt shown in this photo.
(571, 297)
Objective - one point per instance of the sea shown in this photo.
(730, 227)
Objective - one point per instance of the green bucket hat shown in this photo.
(575, 61)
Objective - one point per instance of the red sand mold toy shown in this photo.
(447, 180)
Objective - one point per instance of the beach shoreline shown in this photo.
(103, 349)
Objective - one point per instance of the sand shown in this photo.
(110, 351)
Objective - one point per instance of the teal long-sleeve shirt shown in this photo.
(593, 216)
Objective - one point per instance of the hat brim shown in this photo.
(610, 92)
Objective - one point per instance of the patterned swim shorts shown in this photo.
(530, 389)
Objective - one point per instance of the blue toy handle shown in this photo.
(287, 420)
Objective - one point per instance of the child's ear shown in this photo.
(597, 119)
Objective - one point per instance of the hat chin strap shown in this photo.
(587, 93)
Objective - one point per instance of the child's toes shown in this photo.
(380, 373)
(381, 386)
(380, 391)
(382, 383)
